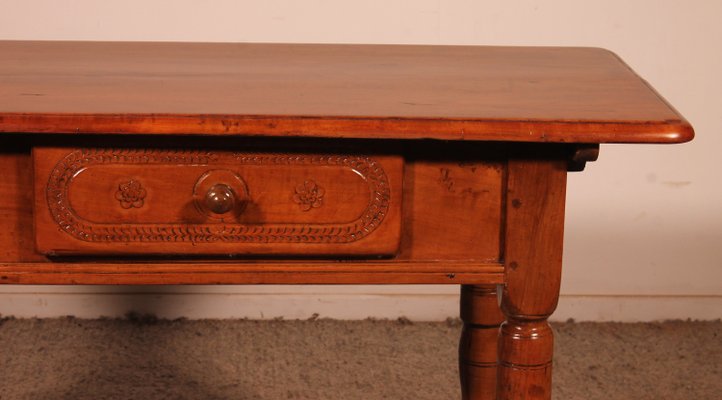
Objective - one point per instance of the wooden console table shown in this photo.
(172, 163)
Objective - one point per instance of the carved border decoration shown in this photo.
(64, 171)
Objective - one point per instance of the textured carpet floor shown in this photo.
(325, 359)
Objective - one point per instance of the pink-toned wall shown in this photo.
(644, 231)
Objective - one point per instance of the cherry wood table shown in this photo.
(181, 163)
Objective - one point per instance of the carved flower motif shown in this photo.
(309, 195)
(130, 194)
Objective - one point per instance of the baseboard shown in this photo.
(427, 303)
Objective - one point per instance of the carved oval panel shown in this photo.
(142, 201)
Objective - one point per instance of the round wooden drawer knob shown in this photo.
(220, 194)
(220, 199)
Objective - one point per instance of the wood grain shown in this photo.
(259, 272)
(533, 240)
(583, 95)
(17, 237)
(452, 208)
(478, 345)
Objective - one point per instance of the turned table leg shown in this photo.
(478, 346)
(533, 258)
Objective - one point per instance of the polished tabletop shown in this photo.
(530, 94)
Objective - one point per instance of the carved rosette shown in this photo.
(63, 173)
(309, 195)
(130, 194)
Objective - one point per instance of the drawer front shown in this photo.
(160, 201)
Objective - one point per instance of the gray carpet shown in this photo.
(142, 358)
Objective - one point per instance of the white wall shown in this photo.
(644, 231)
